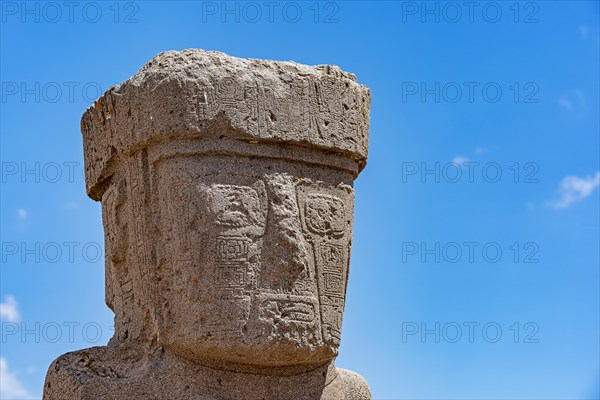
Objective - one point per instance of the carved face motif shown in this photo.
(254, 266)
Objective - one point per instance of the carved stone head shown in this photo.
(227, 201)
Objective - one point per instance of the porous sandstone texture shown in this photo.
(227, 203)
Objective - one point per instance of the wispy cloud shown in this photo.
(460, 160)
(575, 101)
(573, 189)
(9, 310)
(22, 213)
(565, 103)
(10, 385)
(584, 31)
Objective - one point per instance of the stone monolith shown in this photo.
(227, 202)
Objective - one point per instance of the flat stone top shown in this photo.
(204, 65)
(193, 93)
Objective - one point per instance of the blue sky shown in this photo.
(475, 266)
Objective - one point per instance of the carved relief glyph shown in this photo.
(327, 220)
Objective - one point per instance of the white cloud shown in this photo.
(22, 213)
(573, 189)
(9, 309)
(575, 101)
(565, 103)
(460, 160)
(10, 385)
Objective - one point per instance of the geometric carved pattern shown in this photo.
(331, 254)
(232, 248)
(331, 272)
(325, 215)
(232, 256)
(287, 307)
(326, 225)
(333, 284)
(231, 275)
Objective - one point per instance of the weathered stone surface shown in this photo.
(178, 95)
(227, 203)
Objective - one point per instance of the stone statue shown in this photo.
(227, 204)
